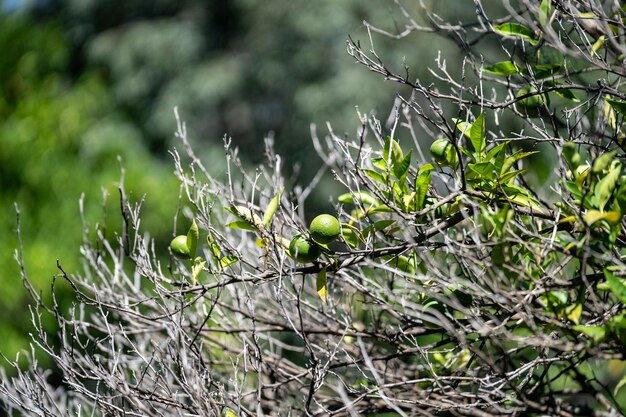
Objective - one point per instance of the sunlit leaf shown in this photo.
(605, 187)
(381, 178)
(574, 312)
(477, 134)
(598, 44)
(515, 30)
(616, 286)
(545, 70)
(545, 12)
(322, 284)
(617, 105)
(197, 268)
(503, 68)
(401, 169)
(422, 182)
(596, 333)
(193, 234)
(242, 224)
(271, 209)
(227, 261)
(603, 161)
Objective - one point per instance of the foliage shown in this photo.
(458, 286)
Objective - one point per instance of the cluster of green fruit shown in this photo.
(323, 230)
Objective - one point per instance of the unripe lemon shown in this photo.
(303, 250)
(179, 247)
(440, 150)
(325, 229)
(530, 106)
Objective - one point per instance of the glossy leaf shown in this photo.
(617, 105)
(271, 209)
(605, 187)
(192, 238)
(321, 284)
(422, 182)
(616, 286)
(545, 70)
(515, 30)
(596, 333)
(504, 68)
(545, 11)
(401, 169)
(477, 134)
(197, 268)
(227, 261)
(242, 224)
(377, 176)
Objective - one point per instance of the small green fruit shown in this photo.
(443, 152)
(303, 250)
(325, 229)
(179, 247)
(531, 106)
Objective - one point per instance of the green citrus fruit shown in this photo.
(179, 247)
(324, 229)
(530, 106)
(303, 250)
(443, 152)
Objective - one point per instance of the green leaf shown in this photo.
(603, 161)
(516, 30)
(509, 176)
(197, 268)
(593, 216)
(503, 68)
(380, 163)
(605, 187)
(227, 261)
(574, 312)
(598, 44)
(596, 333)
(321, 284)
(422, 182)
(392, 151)
(619, 385)
(617, 105)
(242, 224)
(271, 209)
(545, 11)
(566, 93)
(545, 70)
(228, 413)
(402, 263)
(616, 286)
(483, 169)
(377, 176)
(509, 161)
(463, 127)
(401, 169)
(192, 239)
(377, 226)
(477, 134)
(496, 156)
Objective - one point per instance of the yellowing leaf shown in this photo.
(321, 284)
(574, 312)
(197, 268)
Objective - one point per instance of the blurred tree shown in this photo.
(60, 138)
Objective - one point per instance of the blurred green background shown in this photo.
(84, 82)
